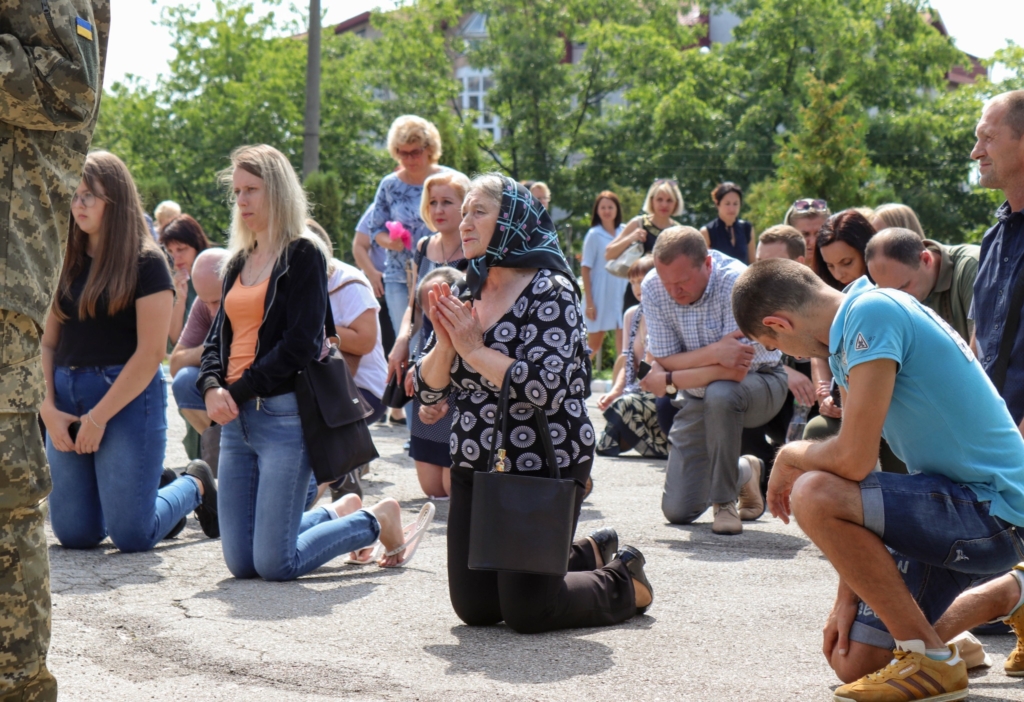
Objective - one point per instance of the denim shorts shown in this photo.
(942, 537)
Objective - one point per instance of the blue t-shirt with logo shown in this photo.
(945, 418)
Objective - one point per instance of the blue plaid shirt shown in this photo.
(673, 328)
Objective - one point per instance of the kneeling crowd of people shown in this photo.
(840, 368)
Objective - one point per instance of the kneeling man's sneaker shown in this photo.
(911, 676)
(751, 501)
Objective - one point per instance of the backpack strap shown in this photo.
(1010, 328)
(421, 251)
(346, 284)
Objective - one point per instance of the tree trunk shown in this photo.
(311, 135)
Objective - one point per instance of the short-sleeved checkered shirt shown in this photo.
(673, 328)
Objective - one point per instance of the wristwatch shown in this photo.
(669, 387)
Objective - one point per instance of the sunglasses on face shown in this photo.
(807, 205)
(413, 153)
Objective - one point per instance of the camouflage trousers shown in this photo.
(24, 484)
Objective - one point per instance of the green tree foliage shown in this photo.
(826, 157)
(324, 191)
(846, 100)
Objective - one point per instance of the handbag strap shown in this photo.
(1013, 314)
(542, 425)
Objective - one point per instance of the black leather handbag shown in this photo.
(521, 523)
(394, 394)
(333, 414)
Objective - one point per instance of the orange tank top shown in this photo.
(243, 306)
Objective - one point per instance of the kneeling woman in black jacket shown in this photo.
(269, 327)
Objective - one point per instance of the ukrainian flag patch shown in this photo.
(84, 29)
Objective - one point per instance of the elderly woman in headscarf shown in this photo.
(521, 310)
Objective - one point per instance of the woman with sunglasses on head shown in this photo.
(415, 145)
(807, 215)
(663, 202)
(269, 328)
(727, 232)
(105, 409)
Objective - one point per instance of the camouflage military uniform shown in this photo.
(51, 66)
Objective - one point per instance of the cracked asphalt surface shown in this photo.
(733, 617)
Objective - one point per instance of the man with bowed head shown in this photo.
(938, 276)
(904, 546)
(188, 352)
(724, 383)
(51, 81)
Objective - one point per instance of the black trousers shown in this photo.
(528, 603)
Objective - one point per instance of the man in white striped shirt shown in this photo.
(724, 382)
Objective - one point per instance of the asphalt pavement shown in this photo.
(734, 618)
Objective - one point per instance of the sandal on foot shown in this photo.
(374, 549)
(413, 536)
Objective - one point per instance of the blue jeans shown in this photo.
(397, 295)
(186, 394)
(114, 491)
(942, 537)
(263, 480)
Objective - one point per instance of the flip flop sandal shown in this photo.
(374, 550)
(413, 536)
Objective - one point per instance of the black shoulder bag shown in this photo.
(333, 414)
(521, 523)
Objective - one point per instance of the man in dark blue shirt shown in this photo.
(1000, 156)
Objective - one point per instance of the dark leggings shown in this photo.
(530, 604)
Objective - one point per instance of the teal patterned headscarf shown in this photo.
(524, 237)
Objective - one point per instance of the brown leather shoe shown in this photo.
(751, 501)
(727, 520)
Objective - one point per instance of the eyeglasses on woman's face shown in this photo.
(86, 199)
(410, 153)
(809, 205)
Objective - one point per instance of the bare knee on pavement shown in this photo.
(859, 661)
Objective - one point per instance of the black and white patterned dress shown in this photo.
(545, 332)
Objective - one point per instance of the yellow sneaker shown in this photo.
(910, 676)
(1014, 665)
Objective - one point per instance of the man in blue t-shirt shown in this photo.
(894, 539)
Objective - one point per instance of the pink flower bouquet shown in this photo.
(397, 230)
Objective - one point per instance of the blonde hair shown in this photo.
(543, 187)
(410, 129)
(287, 206)
(166, 211)
(454, 179)
(664, 186)
(896, 215)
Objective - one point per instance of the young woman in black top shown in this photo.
(106, 399)
(727, 232)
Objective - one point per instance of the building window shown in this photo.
(475, 85)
